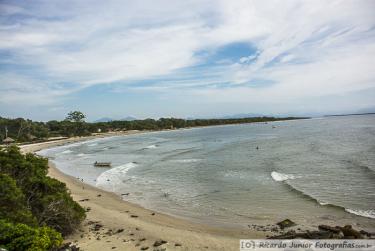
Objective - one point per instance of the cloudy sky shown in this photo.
(186, 58)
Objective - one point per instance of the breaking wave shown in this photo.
(282, 177)
(111, 178)
(363, 213)
(151, 146)
(187, 160)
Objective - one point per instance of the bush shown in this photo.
(19, 237)
(12, 202)
(24, 184)
(35, 210)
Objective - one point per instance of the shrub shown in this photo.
(35, 210)
(19, 237)
(12, 202)
(47, 198)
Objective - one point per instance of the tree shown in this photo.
(13, 203)
(29, 196)
(76, 116)
(21, 237)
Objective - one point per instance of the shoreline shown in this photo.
(141, 227)
(125, 225)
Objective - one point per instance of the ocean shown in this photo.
(312, 171)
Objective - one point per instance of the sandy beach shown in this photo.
(113, 223)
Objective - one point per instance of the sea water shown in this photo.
(310, 171)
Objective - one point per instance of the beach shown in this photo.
(113, 223)
(185, 190)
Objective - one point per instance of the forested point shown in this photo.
(36, 211)
(25, 130)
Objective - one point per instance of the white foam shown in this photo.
(66, 151)
(113, 177)
(151, 146)
(81, 154)
(187, 160)
(281, 176)
(323, 203)
(93, 144)
(363, 213)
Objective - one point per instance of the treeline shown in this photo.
(24, 130)
(36, 211)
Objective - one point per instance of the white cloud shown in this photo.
(305, 48)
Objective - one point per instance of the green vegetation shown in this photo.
(75, 116)
(74, 125)
(35, 210)
(23, 237)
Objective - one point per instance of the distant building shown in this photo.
(8, 140)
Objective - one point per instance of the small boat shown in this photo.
(102, 164)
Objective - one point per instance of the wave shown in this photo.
(111, 178)
(363, 213)
(66, 152)
(187, 160)
(93, 144)
(281, 176)
(151, 147)
(365, 168)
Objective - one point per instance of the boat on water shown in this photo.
(102, 164)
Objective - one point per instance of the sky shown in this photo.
(191, 58)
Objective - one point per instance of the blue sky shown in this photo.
(186, 58)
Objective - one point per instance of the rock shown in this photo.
(99, 195)
(348, 231)
(97, 227)
(324, 232)
(285, 223)
(134, 216)
(125, 194)
(363, 232)
(152, 214)
(68, 247)
(177, 245)
(274, 229)
(142, 239)
(144, 248)
(307, 235)
(159, 243)
(120, 230)
(335, 230)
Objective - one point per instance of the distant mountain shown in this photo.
(242, 115)
(128, 118)
(103, 120)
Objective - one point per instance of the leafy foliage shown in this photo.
(75, 116)
(33, 206)
(74, 125)
(19, 237)
(12, 202)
